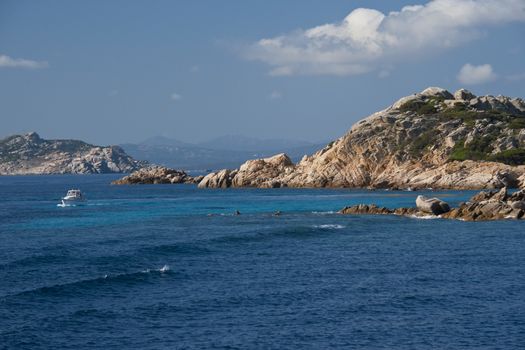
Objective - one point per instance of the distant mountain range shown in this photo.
(218, 153)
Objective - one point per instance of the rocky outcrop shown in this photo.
(258, 173)
(372, 209)
(30, 154)
(484, 206)
(433, 206)
(157, 175)
(430, 139)
(494, 205)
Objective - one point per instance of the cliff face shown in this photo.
(30, 154)
(430, 139)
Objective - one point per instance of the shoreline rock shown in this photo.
(157, 175)
(484, 206)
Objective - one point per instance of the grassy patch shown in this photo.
(479, 149)
(514, 156)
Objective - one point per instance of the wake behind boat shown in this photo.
(73, 198)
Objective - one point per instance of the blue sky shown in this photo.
(121, 71)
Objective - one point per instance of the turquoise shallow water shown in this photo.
(169, 266)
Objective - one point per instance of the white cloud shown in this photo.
(175, 97)
(473, 75)
(367, 38)
(9, 62)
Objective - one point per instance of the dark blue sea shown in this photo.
(171, 267)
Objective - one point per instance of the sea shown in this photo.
(173, 267)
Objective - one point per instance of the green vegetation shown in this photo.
(422, 107)
(480, 149)
(514, 156)
(517, 123)
(461, 112)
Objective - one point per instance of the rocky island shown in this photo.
(158, 175)
(484, 206)
(30, 154)
(429, 139)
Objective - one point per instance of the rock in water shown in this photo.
(482, 207)
(432, 205)
(157, 175)
(429, 139)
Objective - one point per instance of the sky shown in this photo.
(111, 72)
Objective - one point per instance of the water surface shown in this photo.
(170, 266)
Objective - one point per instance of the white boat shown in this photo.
(73, 197)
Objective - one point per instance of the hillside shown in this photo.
(30, 154)
(429, 139)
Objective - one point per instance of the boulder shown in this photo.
(220, 179)
(437, 91)
(517, 205)
(432, 205)
(464, 95)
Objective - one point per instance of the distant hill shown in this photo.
(30, 154)
(222, 152)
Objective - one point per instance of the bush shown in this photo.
(517, 123)
(478, 149)
(514, 156)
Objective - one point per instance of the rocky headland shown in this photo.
(484, 206)
(30, 154)
(432, 139)
(157, 175)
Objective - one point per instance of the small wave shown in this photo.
(424, 217)
(164, 269)
(330, 226)
(72, 288)
(323, 212)
(64, 205)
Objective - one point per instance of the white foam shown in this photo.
(323, 212)
(424, 217)
(164, 269)
(63, 205)
(330, 226)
